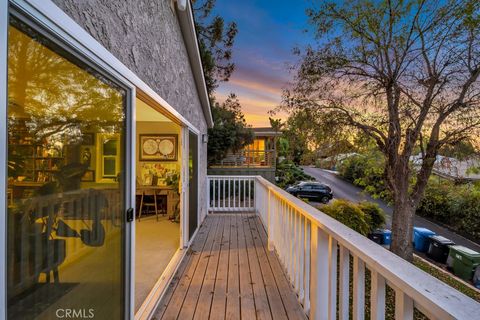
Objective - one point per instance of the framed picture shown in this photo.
(158, 147)
(89, 176)
(88, 139)
(148, 180)
(87, 156)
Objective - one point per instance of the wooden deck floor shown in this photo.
(230, 274)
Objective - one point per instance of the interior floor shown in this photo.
(156, 243)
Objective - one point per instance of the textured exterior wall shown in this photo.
(145, 35)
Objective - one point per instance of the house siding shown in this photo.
(145, 35)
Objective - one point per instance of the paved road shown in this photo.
(345, 190)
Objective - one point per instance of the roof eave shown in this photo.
(187, 26)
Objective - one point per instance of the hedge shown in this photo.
(456, 206)
(363, 217)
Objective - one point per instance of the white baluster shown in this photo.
(403, 306)
(332, 311)
(307, 264)
(319, 274)
(344, 286)
(270, 223)
(358, 289)
(234, 190)
(377, 297)
(301, 259)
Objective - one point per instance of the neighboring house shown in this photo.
(108, 212)
(258, 158)
(333, 161)
(452, 168)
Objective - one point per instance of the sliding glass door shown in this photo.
(66, 183)
(192, 183)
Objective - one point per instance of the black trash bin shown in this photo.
(439, 248)
(376, 236)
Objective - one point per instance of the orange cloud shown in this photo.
(257, 86)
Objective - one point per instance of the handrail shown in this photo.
(308, 243)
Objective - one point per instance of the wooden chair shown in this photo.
(153, 199)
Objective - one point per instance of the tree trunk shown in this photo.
(403, 210)
(402, 227)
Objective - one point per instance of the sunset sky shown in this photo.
(268, 31)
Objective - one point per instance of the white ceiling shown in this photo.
(147, 113)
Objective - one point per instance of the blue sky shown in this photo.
(268, 31)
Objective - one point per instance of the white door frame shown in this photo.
(3, 155)
(184, 203)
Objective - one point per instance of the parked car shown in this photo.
(315, 191)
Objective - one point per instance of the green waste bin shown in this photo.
(464, 261)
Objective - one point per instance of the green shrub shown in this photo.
(466, 210)
(349, 214)
(374, 215)
(436, 203)
(457, 206)
(367, 172)
(288, 173)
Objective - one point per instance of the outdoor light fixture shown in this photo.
(204, 138)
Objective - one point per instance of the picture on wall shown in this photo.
(158, 147)
(87, 156)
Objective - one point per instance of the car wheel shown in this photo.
(324, 199)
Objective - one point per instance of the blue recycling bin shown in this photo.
(386, 237)
(421, 238)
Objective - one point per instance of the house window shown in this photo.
(110, 156)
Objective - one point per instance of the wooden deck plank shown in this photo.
(262, 307)
(274, 298)
(221, 281)
(233, 285)
(247, 303)
(193, 293)
(175, 305)
(289, 298)
(208, 285)
(230, 274)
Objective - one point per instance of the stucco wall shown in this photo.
(145, 35)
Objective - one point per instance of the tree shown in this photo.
(230, 131)
(215, 39)
(405, 73)
(310, 132)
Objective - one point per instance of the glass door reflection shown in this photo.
(66, 196)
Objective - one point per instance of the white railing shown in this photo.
(319, 253)
(232, 193)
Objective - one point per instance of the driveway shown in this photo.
(345, 190)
